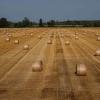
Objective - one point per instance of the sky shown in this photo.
(15, 10)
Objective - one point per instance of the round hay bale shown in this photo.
(97, 53)
(81, 70)
(31, 34)
(26, 47)
(98, 38)
(67, 43)
(16, 41)
(9, 35)
(49, 42)
(97, 34)
(8, 39)
(76, 37)
(37, 66)
(39, 37)
(76, 33)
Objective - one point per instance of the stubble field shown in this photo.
(57, 80)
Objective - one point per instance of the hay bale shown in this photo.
(37, 66)
(76, 33)
(97, 53)
(8, 39)
(49, 42)
(76, 37)
(81, 70)
(9, 35)
(16, 41)
(39, 37)
(31, 34)
(26, 47)
(97, 34)
(98, 38)
(67, 43)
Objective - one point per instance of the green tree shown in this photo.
(4, 23)
(41, 23)
(26, 22)
(51, 23)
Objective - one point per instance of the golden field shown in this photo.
(60, 50)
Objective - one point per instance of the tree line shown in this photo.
(4, 23)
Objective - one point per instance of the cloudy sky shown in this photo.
(50, 9)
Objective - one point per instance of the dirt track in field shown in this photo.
(58, 80)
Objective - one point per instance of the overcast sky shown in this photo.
(50, 9)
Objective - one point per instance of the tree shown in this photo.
(51, 23)
(4, 23)
(26, 22)
(41, 23)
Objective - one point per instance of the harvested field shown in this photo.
(57, 80)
